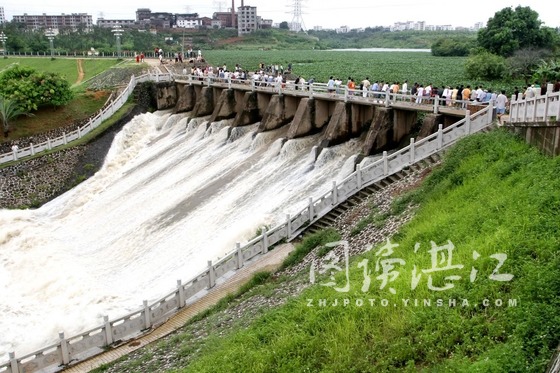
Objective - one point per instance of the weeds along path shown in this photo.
(80, 71)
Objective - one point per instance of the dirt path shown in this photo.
(268, 262)
(81, 73)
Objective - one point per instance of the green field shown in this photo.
(67, 67)
(419, 67)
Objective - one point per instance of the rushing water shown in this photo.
(171, 195)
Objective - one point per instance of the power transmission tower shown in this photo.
(297, 24)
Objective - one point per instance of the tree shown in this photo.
(513, 29)
(9, 110)
(486, 66)
(284, 25)
(457, 46)
(524, 62)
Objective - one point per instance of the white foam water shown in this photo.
(172, 194)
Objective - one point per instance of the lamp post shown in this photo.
(3, 39)
(117, 31)
(50, 36)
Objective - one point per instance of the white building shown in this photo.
(2, 16)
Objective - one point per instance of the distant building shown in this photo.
(421, 26)
(72, 21)
(247, 19)
(110, 23)
(190, 20)
(265, 23)
(2, 16)
(342, 30)
(226, 19)
(478, 26)
(317, 28)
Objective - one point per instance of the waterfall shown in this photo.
(173, 193)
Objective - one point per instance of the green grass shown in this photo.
(67, 67)
(308, 244)
(493, 194)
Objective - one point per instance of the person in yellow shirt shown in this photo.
(466, 96)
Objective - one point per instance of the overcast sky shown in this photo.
(326, 13)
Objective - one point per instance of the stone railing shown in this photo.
(541, 108)
(67, 351)
(321, 90)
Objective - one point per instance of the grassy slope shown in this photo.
(493, 194)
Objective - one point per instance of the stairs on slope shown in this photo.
(363, 194)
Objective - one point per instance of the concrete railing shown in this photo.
(67, 351)
(541, 108)
(321, 90)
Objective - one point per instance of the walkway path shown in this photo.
(268, 262)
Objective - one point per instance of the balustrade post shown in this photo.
(440, 136)
(546, 100)
(64, 140)
(385, 163)
(13, 362)
(32, 149)
(468, 122)
(181, 294)
(512, 106)
(436, 104)
(359, 176)
(412, 151)
(49, 145)
(64, 349)
(211, 275)
(239, 254)
(108, 331)
(15, 154)
(334, 193)
(147, 318)
(252, 85)
(229, 82)
(534, 116)
(345, 94)
(79, 133)
(310, 209)
(288, 226)
(558, 113)
(387, 98)
(265, 240)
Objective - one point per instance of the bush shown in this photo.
(486, 66)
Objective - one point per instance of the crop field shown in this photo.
(419, 67)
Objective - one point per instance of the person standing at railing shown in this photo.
(466, 96)
(351, 87)
(419, 94)
(365, 86)
(501, 103)
(330, 85)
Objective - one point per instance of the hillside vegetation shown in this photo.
(488, 213)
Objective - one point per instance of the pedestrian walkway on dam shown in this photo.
(269, 262)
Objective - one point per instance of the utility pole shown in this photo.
(297, 24)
